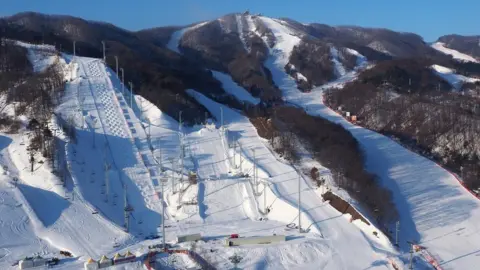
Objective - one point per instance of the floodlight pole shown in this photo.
(131, 95)
(104, 57)
(163, 211)
(265, 196)
(116, 64)
(180, 122)
(299, 206)
(123, 80)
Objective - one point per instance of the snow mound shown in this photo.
(440, 46)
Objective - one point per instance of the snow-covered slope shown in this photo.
(445, 223)
(18, 236)
(339, 68)
(174, 42)
(449, 75)
(440, 46)
(234, 89)
(242, 31)
(435, 209)
(285, 40)
(344, 240)
(41, 56)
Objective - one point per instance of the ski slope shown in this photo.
(449, 75)
(241, 31)
(174, 42)
(57, 214)
(341, 239)
(234, 89)
(339, 68)
(217, 181)
(435, 210)
(18, 236)
(440, 46)
(116, 153)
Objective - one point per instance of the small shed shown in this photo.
(189, 237)
(254, 240)
(26, 263)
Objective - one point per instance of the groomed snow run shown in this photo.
(435, 209)
(361, 60)
(174, 42)
(234, 89)
(440, 46)
(241, 31)
(339, 68)
(449, 75)
(41, 56)
(285, 41)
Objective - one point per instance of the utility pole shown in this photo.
(299, 206)
(123, 80)
(14, 104)
(104, 57)
(159, 153)
(116, 64)
(107, 168)
(411, 256)
(180, 123)
(254, 170)
(180, 189)
(173, 175)
(234, 150)
(182, 156)
(397, 230)
(265, 196)
(131, 94)
(127, 209)
(74, 51)
(94, 123)
(163, 211)
(221, 117)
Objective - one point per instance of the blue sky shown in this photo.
(428, 18)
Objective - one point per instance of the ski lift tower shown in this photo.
(163, 180)
(127, 209)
